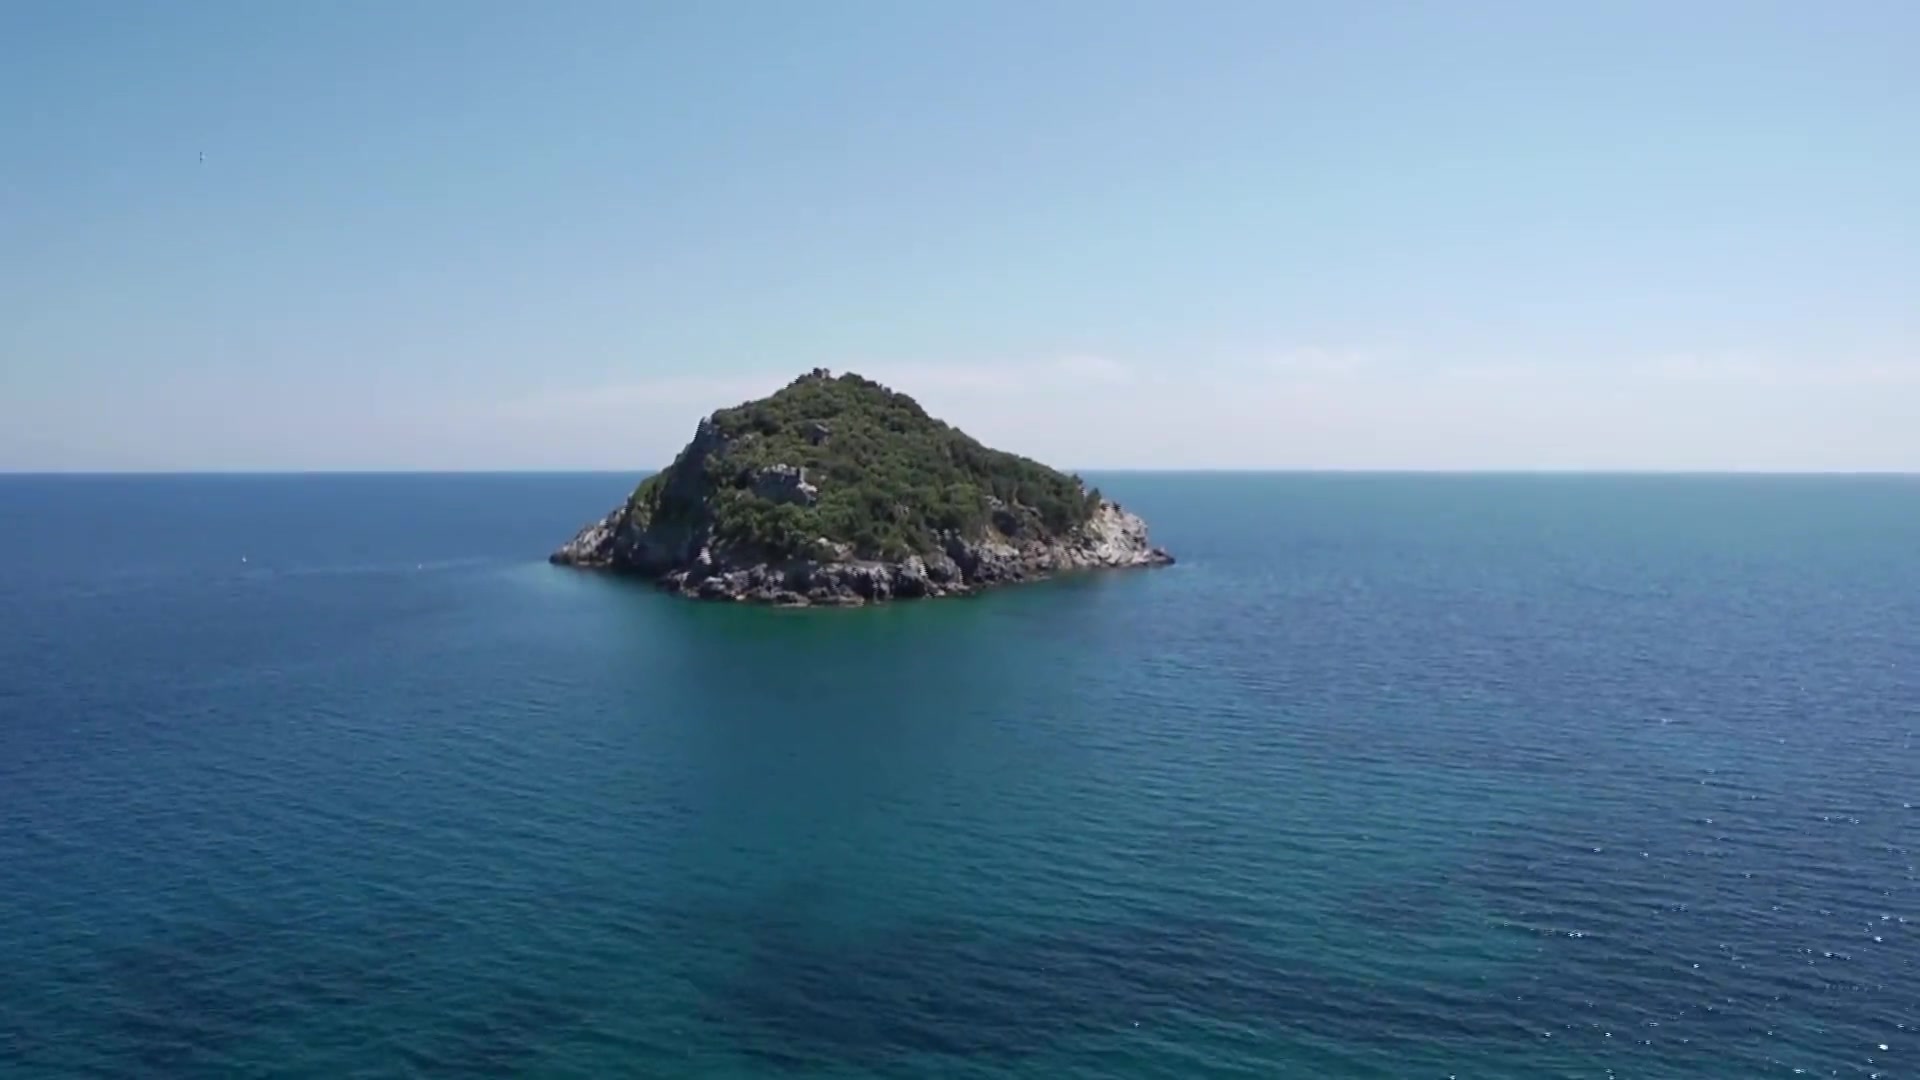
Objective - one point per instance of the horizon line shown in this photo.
(1200, 470)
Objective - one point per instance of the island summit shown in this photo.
(837, 490)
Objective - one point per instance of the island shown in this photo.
(837, 490)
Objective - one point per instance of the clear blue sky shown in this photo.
(484, 235)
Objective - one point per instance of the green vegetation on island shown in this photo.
(846, 460)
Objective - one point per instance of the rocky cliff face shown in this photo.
(684, 527)
(688, 562)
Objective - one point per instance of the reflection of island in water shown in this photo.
(840, 491)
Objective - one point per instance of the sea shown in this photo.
(1434, 776)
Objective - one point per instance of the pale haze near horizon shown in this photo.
(1224, 235)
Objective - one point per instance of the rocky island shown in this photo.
(837, 490)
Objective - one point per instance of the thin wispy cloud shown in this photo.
(1321, 360)
(1312, 406)
(707, 392)
(1316, 406)
(1753, 369)
(696, 391)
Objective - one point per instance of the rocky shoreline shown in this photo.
(838, 490)
(1111, 538)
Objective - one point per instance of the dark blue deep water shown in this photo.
(1391, 776)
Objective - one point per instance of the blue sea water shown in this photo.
(1391, 776)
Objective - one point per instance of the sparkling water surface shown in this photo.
(1421, 776)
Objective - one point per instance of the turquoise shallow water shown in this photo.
(1391, 776)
